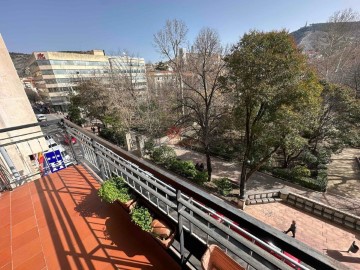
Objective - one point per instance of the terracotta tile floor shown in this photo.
(319, 234)
(58, 222)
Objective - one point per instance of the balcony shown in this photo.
(58, 221)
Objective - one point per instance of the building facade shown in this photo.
(15, 110)
(59, 73)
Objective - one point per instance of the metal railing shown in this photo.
(191, 216)
(192, 210)
(34, 144)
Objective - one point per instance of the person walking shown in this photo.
(353, 248)
(292, 228)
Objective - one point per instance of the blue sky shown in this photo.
(116, 25)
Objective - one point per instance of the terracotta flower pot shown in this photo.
(162, 232)
(128, 205)
(216, 258)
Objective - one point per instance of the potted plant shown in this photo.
(141, 216)
(125, 198)
(157, 228)
(115, 189)
(108, 191)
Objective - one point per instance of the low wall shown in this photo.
(263, 197)
(345, 219)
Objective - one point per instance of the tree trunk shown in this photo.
(285, 163)
(243, 181)
(208, 166)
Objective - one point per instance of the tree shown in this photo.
(161, 66)
(271, 81)
(337, 46)
(333, 125)
(294, 141)
(74, 111)
(92, 96)
(169, 42)
(204, 102)
(32, 95)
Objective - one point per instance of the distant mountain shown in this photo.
(309, 38)
(20, 60)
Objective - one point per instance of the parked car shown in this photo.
(41, 117)
(51, 142)
(67, 140)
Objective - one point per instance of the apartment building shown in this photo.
(59, 73)
(15, 110)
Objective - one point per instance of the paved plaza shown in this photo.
(326, 237)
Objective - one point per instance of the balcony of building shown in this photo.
(59, 222)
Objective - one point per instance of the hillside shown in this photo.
(20, 60)
(310, 37)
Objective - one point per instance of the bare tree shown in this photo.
(205, 104)
(337, 44)
(169, 42)
(127, 87)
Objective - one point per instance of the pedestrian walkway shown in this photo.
(344, 174)
(328, 238)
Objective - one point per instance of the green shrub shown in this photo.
(324, 156)
(300, 171)
(318, 184)
(282, 173)
(312, 183)
(120, 182)
(200, 178)
(116, 137)
(109, 191)
(125, 196)
(322, 166)
(309, 158)
(149, 146)
(163, 155)
(185, 168)
(142, 217)
(224, 185)
(322, 179)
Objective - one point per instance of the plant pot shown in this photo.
(128, 205)
(216, 258)
(162, 232)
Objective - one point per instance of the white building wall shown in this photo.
(15, 110)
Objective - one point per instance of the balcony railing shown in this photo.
(201, 218)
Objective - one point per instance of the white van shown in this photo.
(53, 146)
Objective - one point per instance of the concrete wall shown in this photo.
(15, 110)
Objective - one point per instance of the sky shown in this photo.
(129, 25)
